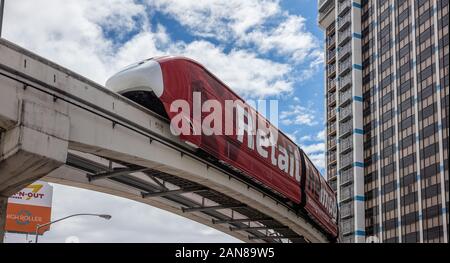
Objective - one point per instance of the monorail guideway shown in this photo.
(62, 127)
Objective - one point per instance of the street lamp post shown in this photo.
(107, 217)
(2, 7)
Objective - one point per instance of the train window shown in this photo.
(148, 100)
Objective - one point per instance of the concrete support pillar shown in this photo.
(3, 203)
(34, 146)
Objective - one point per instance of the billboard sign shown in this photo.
(30, 207)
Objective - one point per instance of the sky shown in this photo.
(262, 49)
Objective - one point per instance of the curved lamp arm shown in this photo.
(107, 217)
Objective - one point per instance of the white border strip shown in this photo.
(441, 139)
(396, 119)
(416, 120)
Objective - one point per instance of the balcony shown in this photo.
(345, 128)
(346, 160)
(347, 210)
(332, 157)
(346, 144)
(345, 81)
(331, 114)
(344, 6)
(345, 51)
(345, 97)
(333, 184)
(331, 99)
(326, 13)
(331, 84)
(332, 128)
(345, 113)
(331, 42)
(347, 193)
(331, 29)
(331, 56)
(332, 143)
(344, 22)
(323, 4)
(346, 177)
(345, 66)
(331, 70)
(347, 229)
(332, 172)
(344, 36)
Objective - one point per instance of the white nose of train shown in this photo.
(142, 76)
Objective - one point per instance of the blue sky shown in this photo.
(262, 49)
(269, 49)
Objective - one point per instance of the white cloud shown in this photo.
(220, 19)
(74, 33)
(290, 38)
(318, 159)
(321, 135)
(316, 152)
(241, 70)
(81, 45)
(261, 23)
(69, 32)
(298, 115)
(314, 148)
(306, 138)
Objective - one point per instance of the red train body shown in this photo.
(283, 167)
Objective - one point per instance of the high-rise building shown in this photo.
(387, 101)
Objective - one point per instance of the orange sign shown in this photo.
(30, 207)
(24, 218)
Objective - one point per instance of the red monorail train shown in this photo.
(280, 166)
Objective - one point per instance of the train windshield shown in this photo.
(134, 65)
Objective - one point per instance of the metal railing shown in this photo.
(331, 98)
(332, 172)
(332, 142)
(347, 210)
(331, 55)
(345, 128)
(346, 144)
(332, 157)
(331, 69)
(331, 84)
(346, 193)
(346, 176)
(343, 6)
(325, 10)
(331, 40)
(332, 114)
(345, 50)
(323, 3)
(345, 66)
(333, 184)
(346, 160)
(344, 35)
(332, 128)
(344, 21)
(345, 96)
(345, 81)
(345, 112)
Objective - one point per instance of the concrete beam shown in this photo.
(9, 105)
(33, 148)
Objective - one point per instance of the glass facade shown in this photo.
(387, 97)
